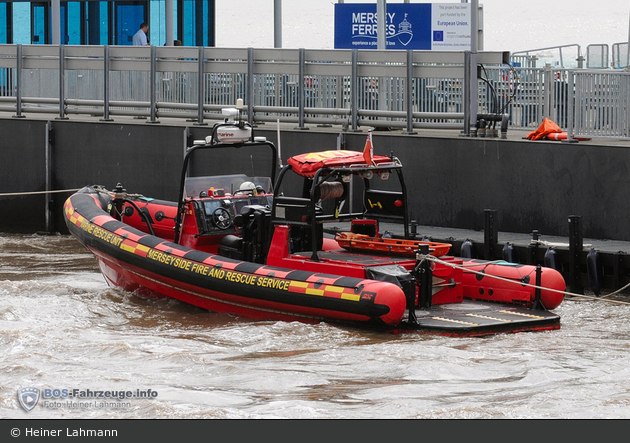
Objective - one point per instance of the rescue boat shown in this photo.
(255, 246)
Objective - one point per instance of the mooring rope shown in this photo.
(571, 294)
(616, 292)
(14, 194)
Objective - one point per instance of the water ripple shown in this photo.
(62, 327)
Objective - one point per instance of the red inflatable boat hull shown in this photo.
(497, 281)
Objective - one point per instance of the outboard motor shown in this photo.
(401, 277)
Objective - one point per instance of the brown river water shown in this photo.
(63, 329)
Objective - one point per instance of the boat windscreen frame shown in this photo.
(207, 146)
(361, 171)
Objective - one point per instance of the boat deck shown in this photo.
(480, 318)
(357, 258)
(462, 318)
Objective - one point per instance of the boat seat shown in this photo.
(232, 247)
(255, 224)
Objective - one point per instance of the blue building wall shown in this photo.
(108, 22)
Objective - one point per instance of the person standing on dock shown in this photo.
(140, 37)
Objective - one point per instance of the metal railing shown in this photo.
(598, 56)
(564, 56)
(591, 102)
(398, 89)
(601, 106)
(620, 55)
(394, 89)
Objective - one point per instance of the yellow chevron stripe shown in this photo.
(334, 288)
(352, 297)
(455, 321)
(522, 315)
(298, 284)
(489, 318)
(127, 248)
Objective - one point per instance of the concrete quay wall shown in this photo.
(451, 179)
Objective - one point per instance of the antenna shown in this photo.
(279, 144)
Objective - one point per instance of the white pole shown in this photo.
(381, 42)
(474, 85)
(476, 21)
(480, 37)
(170, 34)
(277, 22)
(474, 25)
(381, 14)
(56, 22)
(279, 145)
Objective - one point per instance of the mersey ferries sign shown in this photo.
(423, 26)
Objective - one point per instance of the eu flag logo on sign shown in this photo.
(438, 36)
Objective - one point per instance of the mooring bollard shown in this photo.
(618, 270)
(490, 233)
(575, 251)
(425, 278)
(532, 249)
(413, 229)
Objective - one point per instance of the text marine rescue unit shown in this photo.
(256, 245)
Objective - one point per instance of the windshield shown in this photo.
(230, 184)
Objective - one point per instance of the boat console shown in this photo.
(217, 201)
(222, 210)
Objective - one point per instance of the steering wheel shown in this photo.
(221, 218)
